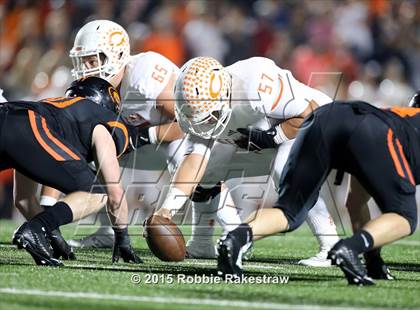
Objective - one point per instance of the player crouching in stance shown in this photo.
(51, 142)
(215, 105)
(380, 148)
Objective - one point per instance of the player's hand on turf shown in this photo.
(255, 139)
(126, 253)
(122, 247)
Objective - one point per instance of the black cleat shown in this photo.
(376, 267)
(229, 259)
(60, 246)
(350, 264)
(36, 244)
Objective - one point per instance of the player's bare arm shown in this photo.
(356, 204)
(257, 139)
(291, 126)
(188, 175)
(106, 160)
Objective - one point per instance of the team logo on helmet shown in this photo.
(116, 38)
(203, 93)
(114, 95)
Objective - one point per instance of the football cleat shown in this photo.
(34, 241)
(229, 259)
(200, 249)
(319, 260)
(376, 267)
(350, 264)
(103, 238)
(60, 246)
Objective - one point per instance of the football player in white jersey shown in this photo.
(216, 105)
(145, 81)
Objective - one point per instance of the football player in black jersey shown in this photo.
(51, 142)
(380, 148)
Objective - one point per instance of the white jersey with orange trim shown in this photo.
(262, 95)
(145, 77)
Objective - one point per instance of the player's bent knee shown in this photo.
(294, 219)
(412, 221)
(411, 216)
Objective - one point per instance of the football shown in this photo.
(164, 239)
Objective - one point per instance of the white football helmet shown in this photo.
(203, 94)
(104, 39)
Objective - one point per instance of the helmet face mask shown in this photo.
(208, 128)
(81, 68)
(105, 41)
(203, 93)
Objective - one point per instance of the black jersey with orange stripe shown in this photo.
(74, 120)
(405, 125)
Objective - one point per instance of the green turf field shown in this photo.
(93, 282)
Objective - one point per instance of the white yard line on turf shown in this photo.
(8, 246)
(185, 263)
(408, 242)
(168, 300)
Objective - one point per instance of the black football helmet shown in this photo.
(415, 100)
(98, 90)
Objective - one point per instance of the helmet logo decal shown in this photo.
(114, 94)
(116, 38)
(215, 94)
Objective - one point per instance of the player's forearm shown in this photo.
(188, 175)
(356, 204)
(168, 132)
(117, 208)
(291, 127)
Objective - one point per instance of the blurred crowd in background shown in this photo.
(351, 49)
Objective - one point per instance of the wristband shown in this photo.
(175, 200)
(280, 136)
(153, 135)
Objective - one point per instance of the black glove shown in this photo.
(255, 139)
(141, 137)
(122, 247)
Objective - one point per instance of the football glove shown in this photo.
(142, 137)
(122, 247)
(255, 139)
